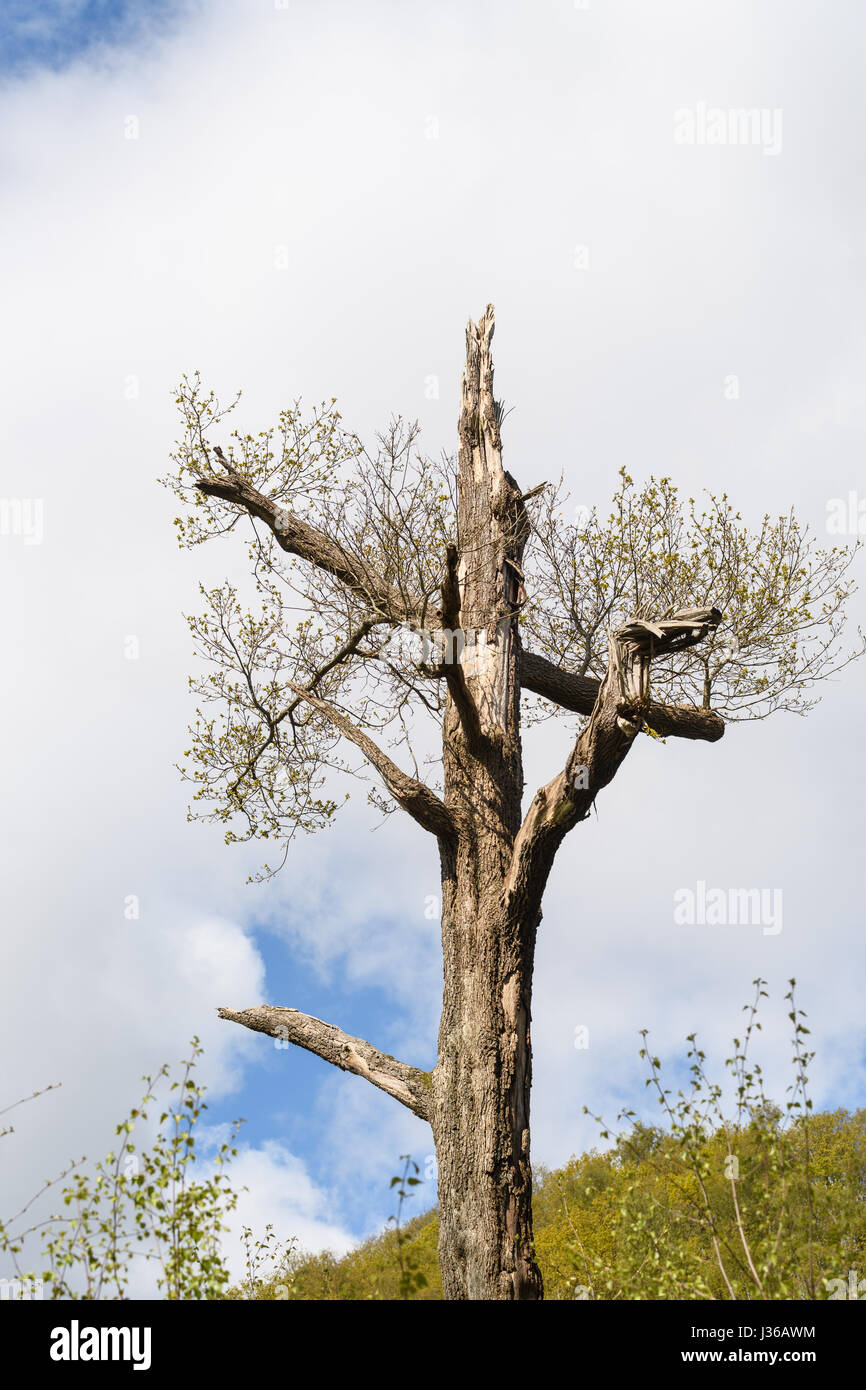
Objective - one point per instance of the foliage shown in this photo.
(262, 759)
(348, 552)
(145, 1205)
(373, 1271)
(782, 596)
(401, 1263)
(270, 1267)
(412, 1277)
(721, 1208)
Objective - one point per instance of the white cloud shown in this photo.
(276, 1189)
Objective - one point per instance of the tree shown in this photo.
(417, 604)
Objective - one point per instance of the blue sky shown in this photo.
(55, 33)
(310, 201)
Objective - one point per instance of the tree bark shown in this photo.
(409, 1085)
(579, 693)
(481, 1082)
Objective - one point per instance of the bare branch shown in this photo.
(407, 1084)
(297, 537)
(619, 712)
(579, 693)
(415, 797)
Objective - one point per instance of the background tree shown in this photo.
(412, 577)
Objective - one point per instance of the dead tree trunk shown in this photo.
(495, 860)
(495, 873)
(482, 1079)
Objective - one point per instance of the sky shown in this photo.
(310, 200)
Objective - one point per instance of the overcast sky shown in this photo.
(310, 199)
